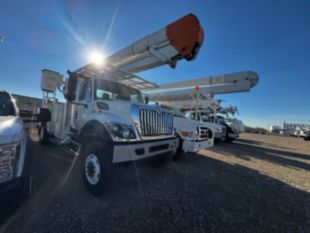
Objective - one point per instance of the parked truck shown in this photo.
(193, 136)
(14, 153)
(195, 95)
(225, 117)
(200, 116)
(105, 116)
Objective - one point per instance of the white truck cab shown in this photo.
(110, 123)
(14, 156)
(233, 126)
(218, 129)
(194, 136)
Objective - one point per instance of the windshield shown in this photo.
(6, 105)
(221, 120)
(206, 118)
(109, 90)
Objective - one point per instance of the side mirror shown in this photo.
(146, 99)
(70, 87)
(44, 115)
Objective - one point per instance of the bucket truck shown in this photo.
(199, 114)
(234, 126)
(195, 94)
(105, 116)
(214, 113)
(193, 135)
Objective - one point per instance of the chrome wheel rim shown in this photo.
(92, 169)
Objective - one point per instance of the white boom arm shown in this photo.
(229, 110)
(180, 39)
(202, 89)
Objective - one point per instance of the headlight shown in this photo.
(8, 150)
(187, 134)
(120, 132)
(8, 158)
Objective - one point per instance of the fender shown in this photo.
(94, 130)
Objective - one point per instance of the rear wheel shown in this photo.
(43, 134)
(97, 167)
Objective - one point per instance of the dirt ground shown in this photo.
(259, 183)
(286, 159)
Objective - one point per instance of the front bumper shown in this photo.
(194, 146)
(124, 152)
(233, 135)
(218, 135)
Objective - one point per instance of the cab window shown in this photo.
(85, 90)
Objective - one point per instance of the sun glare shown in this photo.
(96, 57)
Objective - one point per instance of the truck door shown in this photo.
(82, 108)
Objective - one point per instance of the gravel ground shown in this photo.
(259, 183)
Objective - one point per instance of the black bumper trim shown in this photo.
(142, 141)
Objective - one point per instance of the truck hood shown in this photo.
(119, 111)
(123, 106)
(216, 127)
(9, 128)
(184, 124)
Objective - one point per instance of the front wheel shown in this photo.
(97, 167)
(180, 152)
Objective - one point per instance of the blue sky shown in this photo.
(269, 37)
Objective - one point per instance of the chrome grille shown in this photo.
(155, 122)
(204, 133)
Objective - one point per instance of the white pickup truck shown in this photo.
(14, 152)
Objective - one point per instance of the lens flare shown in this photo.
(96, 57)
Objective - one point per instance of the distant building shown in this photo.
(275, 129)
(295, 129)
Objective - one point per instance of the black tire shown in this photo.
(180, 152)
(217, 140)
(43, 134)
(228, 139)
(26, 176)
(161, 160)
(103, 152)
